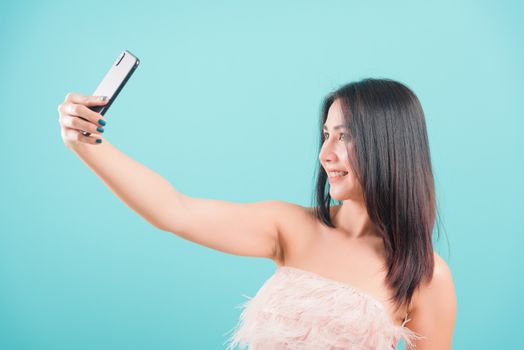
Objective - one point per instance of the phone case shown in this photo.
(114, 81)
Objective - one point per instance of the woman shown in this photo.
(349, 276)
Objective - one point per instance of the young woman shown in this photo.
(348, 276)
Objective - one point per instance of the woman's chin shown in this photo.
(337, 195)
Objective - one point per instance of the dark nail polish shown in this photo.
(98, 140)
(100, 129)
(101, 122)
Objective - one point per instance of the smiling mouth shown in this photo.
(335, 174)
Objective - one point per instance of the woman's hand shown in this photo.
(75, 117)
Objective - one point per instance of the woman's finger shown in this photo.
(77, 123)
(83, 112)
(89, 101)
(73, 135)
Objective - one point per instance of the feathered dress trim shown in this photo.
(299, 309)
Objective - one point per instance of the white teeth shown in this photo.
(337, 173)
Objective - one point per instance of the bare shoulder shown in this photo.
(295, 224)
(434, 309)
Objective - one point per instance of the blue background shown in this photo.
(225, 105)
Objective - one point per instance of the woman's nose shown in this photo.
(327, 155)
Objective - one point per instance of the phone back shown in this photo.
(115, 79)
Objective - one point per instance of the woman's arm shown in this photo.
(250, 229)
(435, 310)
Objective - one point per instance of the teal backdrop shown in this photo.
(225, 105)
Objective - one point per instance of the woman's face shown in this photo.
(334, 155)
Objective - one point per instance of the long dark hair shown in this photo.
(391, 161)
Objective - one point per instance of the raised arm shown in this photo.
(250, 229)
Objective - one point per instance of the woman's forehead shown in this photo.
(335, 116)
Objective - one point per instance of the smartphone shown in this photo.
(114, 81)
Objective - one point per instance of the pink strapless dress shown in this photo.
(298, 309)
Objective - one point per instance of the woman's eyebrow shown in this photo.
(336, 127)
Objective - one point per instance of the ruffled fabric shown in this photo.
(298, 309)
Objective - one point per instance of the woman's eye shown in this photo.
(342, 135)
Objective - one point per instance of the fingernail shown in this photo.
(103, 98)
(98, 140)
(101, 122)
(100, 129)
